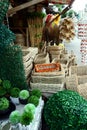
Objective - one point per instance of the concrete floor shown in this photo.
(75, 46)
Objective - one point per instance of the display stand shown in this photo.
(34, 125)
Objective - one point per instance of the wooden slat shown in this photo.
(23, 6)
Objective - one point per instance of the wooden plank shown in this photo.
(23, 6)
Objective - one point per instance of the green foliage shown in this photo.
(0, 81)
(2, 91)
(4, 4)
(36, 14)
(24, 94)
(6, 84)
(29, 108)
(5, 87)
(15, 117)
(15, 92)
(6, 37)
(36, 92)
(34, 100)
(11, 58)
(66, 110)
(11, 64)
(4, 103)
(26, 119)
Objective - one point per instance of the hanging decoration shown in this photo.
(82, 34)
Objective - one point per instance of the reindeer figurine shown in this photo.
(51, 30)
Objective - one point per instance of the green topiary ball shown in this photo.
(26, 118)
(34, 100)
(29, 108)
(15, 117)
(66, 110)
(36, 92)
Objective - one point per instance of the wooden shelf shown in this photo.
(23, 6)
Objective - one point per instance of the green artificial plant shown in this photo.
(26, 118)
(5, 87)
(11, 57)
(34, 100)
(24, 94)
(15, 117)
(66, 110)
(15, 92)
(29, 108)
(36, 92)
(4, 103)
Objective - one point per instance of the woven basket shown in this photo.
(20, 39)
(50, 88)
(53, 48)
(29, 53)
(72, 82)
(54, 56)
(26, 55)
(82, 90)
(28, 62)
(48, 79)
(28, 70)
(53, 52)
(82, 79)
(63, 62)
(79, 70)
(42, 58)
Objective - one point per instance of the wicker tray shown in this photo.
(47, 67)
(27, 63)
(26, 55)
(51, 88)
(48, 79)
(53, 52)
(54, 48)
(72, 82)
(29, 53)
(82, 79)
(79, 70)
(82, 90)
(28, 70)
(42, 58)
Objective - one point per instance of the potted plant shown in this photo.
(34, 100)
(14, 117)
(14, 95)
(4, 105)
(2, 91)
(23, 96)
(29, 107)
(26, 118)
(36, 92)
(6, 85)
